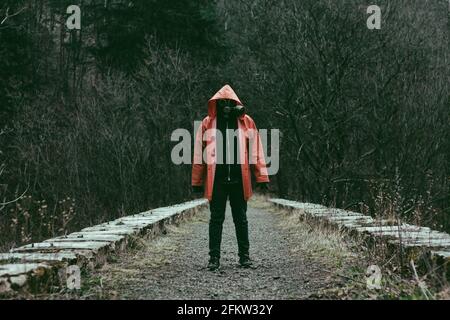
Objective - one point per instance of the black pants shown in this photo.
(221, 192)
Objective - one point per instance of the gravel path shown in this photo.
(173, 266)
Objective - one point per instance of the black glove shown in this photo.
(197, 189)
(262, 187)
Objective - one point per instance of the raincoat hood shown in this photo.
(225, 93)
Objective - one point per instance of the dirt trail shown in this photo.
(291, 262)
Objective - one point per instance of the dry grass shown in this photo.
(316, 240)
(348, 258)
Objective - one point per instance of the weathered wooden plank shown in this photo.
(332, 213)
(295, 204)
(350, 219)
(19, 268)
(88, 236)
(428, 243)
(42, 246)
(376, 228)
(35, 276)
(14, 257)
(412, 235)
(114, 229)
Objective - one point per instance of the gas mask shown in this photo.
(230, 111)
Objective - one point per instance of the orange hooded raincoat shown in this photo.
(205, 143)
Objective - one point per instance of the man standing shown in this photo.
(227, 145)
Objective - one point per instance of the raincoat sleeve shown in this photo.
(258, 165)
(198, 165)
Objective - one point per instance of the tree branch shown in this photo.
(7, 15)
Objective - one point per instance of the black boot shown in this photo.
(245, 261)
(214, 263)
